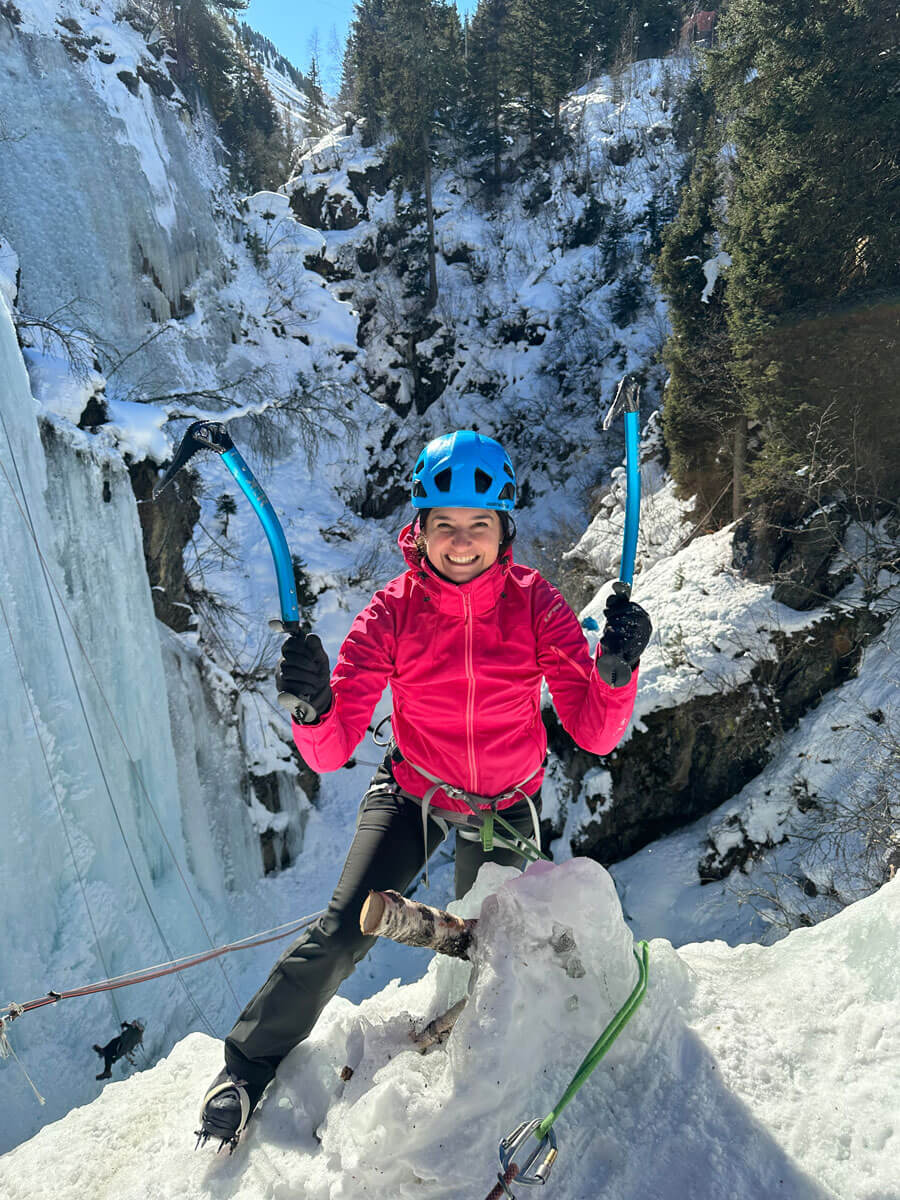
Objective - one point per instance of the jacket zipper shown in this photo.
(470, 695)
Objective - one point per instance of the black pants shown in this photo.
(388, 851)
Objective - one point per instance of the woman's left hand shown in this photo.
(628, 629)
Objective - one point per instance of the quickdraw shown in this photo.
(535, 1169)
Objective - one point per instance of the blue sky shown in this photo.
(292, 25)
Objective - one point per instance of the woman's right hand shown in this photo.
(304, 672)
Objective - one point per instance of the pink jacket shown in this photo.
(465, 664)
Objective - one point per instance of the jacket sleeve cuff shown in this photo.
(316, 741)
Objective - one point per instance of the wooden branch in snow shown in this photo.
(388, 914)
(437, 1031)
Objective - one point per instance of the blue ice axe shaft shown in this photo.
(610, 667)
(212, 435)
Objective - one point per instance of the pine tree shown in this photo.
(486, 74)
(658, 26)
(560, 34)
(811, 96)
(702, 408)
(315, 109)
(423, 60)
(527, 82)
(364, 66)
(198, 32)
(603, 24)
(213, 63)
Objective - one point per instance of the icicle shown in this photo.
(6, 1050)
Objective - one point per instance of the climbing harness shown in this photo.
(535, 1168)
(478, 824)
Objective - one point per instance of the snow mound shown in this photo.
(747, 1072)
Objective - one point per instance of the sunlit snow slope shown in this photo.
(747, 1073)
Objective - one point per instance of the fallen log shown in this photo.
(388, 914)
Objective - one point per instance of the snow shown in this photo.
(746, 1072)
(119, 216)
(56, 387)
(662, 527)
(711, 625)
(137, 430)
(712, 268)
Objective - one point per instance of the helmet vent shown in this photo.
(442, 480)
(482, 481)
(508, 469)
(419, 465)
(507, 492)
(418, 489)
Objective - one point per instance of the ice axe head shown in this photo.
(202, 435)
(627, 399)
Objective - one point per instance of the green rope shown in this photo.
(606, 1039)
(525, 846)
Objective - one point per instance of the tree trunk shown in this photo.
(388, 914)
(429, 216)
(496, 137)
(739, 462)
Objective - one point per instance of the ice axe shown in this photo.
(212, 435)
(610, 667)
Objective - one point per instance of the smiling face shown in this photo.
(462, 542)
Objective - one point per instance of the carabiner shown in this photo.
(513, 1143)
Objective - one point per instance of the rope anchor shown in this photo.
(542, 1130)
(6, 1050)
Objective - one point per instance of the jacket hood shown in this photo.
(482, 592)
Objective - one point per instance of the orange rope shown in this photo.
(498, 1191)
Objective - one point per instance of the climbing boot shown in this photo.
(226, 1109)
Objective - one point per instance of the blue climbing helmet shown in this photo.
(464, 470)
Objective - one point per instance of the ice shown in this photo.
(121, 755)
(107, 199)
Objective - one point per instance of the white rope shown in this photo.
(6, 1050)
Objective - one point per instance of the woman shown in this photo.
(465, 638)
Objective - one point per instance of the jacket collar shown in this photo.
(479, 595)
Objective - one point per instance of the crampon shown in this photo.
(226, 1109)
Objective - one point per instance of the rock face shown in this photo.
(166, 524)
(694, 757)
(318, 203)
(795, 550)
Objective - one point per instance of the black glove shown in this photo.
(304, 672)
(627, 629)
